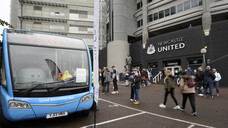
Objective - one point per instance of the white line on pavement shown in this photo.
(154, 114)
(117, 119)
(191, 126)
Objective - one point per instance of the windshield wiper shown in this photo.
(60, 86)
(34, 87)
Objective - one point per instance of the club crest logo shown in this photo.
(151, 49)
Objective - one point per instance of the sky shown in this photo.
(4, 13)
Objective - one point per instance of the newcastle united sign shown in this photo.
(168, 45)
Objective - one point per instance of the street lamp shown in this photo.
(204, 51)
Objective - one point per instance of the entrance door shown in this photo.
(174, 70)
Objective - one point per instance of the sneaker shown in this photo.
(162, 106)
(183, 110)
(212, 97)
(114, 92)
(194, 114)
(217, 94)
(117, 92)
(136, 102)
(200, 94)
(177, 107)
(132, 100)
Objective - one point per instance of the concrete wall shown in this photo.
(124, 23)
(117, 52)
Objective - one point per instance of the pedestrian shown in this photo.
(199, 80)
(188, 91)
(151, 75)
(126, 79)
(180, 72)
(189, 71)
(208, 79)
(136, 85)
(107, 80)
(132, 95)
(115, 79)
(148, 77)
(102, 77)
(217, 79)
(144, 76)
(169, 88)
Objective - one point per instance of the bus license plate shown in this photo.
(59, 114)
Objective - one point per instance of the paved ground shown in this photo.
(117, 111)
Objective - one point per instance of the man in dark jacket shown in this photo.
(136, 85)
(208, 79)
(199, 80)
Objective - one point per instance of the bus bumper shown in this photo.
(41, 110)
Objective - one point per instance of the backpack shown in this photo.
(191, 83)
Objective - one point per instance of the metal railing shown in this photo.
(157, 78)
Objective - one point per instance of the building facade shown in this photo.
(168, 34)
(66, 17)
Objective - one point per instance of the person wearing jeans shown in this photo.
(132, 95)
(217, 79)
(208, 79)
(210, 86)
(136, 86)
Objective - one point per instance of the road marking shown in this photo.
(117, 119)
(191, 126)
(113, 105)
(154, 114)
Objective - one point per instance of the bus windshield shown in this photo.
(48, 68)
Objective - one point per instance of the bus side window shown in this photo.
(2, 75)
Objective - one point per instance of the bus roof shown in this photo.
(43, 39)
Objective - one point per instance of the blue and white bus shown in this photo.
(43, 76)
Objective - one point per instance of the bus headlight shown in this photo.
(18, 104)
(86, 98)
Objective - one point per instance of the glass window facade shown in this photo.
(155, 16)
(195, 3)
(167, 12)
(180, 8)
(161, 14)
(173, 10)
(139, 23)
(187, 5)
(150, 18)
(200, 2)
(148, 1)
(139, 5)
(38, 8)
